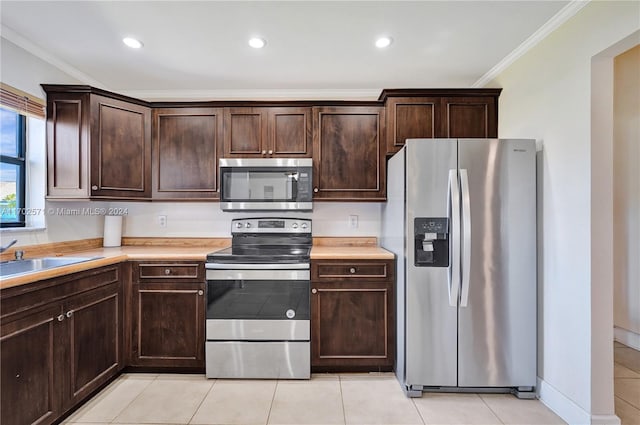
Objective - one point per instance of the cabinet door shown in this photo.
(94, 327)
(186, 147)
(289, 132)
(470, 117)
(67, 145)
(348, 154)
(31, 370)
(245, 132)
(120, 149)
(352, 326)
(169, 325)
(411, 118)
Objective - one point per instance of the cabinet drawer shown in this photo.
(337, 270)
(182, 271)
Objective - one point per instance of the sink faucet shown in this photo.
(9, 245)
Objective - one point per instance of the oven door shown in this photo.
(258, 322)
(258, 294)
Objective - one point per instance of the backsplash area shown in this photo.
(207, 220)
(67, 221)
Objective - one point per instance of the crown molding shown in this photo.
(39, 52)
(251, 94)
(551, 25)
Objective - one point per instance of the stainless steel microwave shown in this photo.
(266, 184)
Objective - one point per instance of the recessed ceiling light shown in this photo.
(383, 42)
(257, 43)
(132, 42)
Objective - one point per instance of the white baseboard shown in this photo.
(626, 337)
(568, 410)
(605, 420)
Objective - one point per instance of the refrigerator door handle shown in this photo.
(453, 206)
(466, 237)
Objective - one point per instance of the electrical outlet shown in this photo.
(353, 221)
(162, 220)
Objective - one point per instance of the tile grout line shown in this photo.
(413, 401)
(273, 397)
(215, 381)
(344, 413)
(134, 399)
(492, 411)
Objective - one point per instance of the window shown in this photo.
(12, 168)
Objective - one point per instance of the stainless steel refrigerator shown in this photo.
(461, 219)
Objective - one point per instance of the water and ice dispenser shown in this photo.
(431, 235)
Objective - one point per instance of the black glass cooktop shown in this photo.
(261, 255)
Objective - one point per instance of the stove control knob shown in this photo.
(304, 225)
(294, 225)
(238, 225)
(247, 225)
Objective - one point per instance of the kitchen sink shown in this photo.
(19, 267)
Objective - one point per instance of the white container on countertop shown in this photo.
(112, 231)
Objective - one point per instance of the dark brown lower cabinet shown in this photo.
(60, 340)
(168, 315)
(29, 372)
(93, 344)
(352, 316)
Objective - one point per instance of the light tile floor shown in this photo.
(325, 399)
(626, 375)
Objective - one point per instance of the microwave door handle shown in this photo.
(294, 186)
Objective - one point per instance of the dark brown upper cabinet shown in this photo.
(120, 149)
(68, 145)
(470, 117)
(411, 118)
(267, 132)
(187, 143)
(439, 113)
(103, 145)
(98, 144)
(289, 132)
(348, 153)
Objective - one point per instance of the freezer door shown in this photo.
(430, 319)
(497, 314)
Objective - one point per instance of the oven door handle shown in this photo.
(219, 266)
(257, 275)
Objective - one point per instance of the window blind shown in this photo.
(21, 102)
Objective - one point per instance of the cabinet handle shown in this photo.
(69, 313)
(314, 291)
(352, 270)
(201, 292)
(264, 152)
(61, 318)
(167, 272)
(270, 152)
(315, 189)
(94, 187)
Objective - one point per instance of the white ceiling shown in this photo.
(196, 49)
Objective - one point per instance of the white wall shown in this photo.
(547, 95)
(188, 219)
(24, 71)
(626, 206)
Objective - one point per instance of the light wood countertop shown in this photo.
(148, 250)
(350, 253)
(114, 256)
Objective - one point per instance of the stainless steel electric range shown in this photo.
(258, 301)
